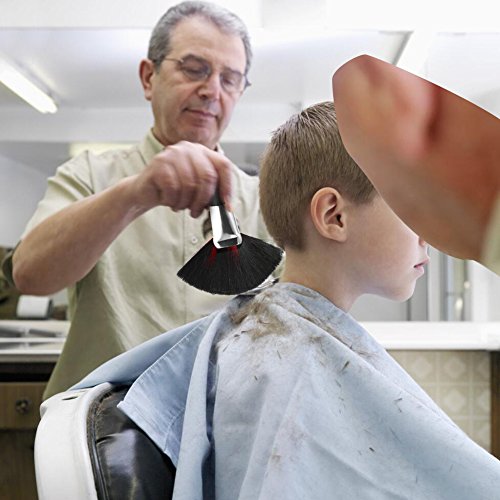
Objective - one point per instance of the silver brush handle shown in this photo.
(225, 230)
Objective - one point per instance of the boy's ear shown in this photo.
(328, 214)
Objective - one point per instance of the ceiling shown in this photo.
(93, 75)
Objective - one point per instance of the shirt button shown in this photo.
(194, 240)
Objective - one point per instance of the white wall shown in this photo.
(485, 293)
(21, 188)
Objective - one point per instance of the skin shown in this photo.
(189, 119)
(345, 256)
(432, 155)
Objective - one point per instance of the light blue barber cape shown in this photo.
(284, 396)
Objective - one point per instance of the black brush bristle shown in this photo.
(233, 270)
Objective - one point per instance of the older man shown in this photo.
(114, 228)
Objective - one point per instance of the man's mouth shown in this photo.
(202, 113)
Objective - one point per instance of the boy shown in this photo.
(282, 394)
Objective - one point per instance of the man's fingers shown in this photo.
(187, 175)
(188, 184)
(207, 181)
(161, 179)
(224, 168)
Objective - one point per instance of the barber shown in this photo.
(115, 228)
(432, 155)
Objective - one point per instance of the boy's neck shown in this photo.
(321, 275)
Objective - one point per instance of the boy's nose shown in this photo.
(422, 242)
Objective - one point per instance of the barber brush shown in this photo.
(231, 262)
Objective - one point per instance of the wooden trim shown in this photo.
(20, 404)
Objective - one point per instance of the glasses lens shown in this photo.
(232, 81)
(195, 69)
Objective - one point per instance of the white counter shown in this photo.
(394, 335)
(431, 336)
(30, 346)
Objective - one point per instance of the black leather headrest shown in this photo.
(127, 464)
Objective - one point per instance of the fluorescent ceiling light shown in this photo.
(317, 16)
(24, 88)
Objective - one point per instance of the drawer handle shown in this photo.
(23, 406)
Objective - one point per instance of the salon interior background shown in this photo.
(84, 55)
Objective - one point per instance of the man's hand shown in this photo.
(432, 155)
(184, 176)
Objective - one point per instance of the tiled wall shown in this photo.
(459, 382)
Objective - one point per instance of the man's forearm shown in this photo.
(63, 248)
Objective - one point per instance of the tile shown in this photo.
(431, 390)
(422, 366)
(399, 356)
(459, 382)
(454, 400)
(481, 433)
(481, 366)
(465, 424)
(481, 401)
(454, 366)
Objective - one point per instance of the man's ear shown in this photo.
(328, 214)
(146, 73)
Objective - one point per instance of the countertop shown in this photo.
(30, 343)
(436, 335)
(393, 335)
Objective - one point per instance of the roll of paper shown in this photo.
(33, 307)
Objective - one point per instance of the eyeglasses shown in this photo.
(197, 70)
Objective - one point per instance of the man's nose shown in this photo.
(422, 242)
(211, 87)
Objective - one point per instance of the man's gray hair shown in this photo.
(224, 19)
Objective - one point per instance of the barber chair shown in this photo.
(86, 448)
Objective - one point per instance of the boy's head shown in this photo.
(306, 154)
(341, 238)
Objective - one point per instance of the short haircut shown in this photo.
(305, 154)
(224, 19)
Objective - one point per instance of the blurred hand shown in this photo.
(432, 155)
(184, 176)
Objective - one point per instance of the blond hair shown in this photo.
(305, 154)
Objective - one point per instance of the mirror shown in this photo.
(92, 74)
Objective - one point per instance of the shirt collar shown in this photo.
(151, 146)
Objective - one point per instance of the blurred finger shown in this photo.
(224, 168)
(207, 180)
(188, 183)
(166, 179)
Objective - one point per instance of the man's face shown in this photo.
(195, 111)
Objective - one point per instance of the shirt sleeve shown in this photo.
(71, 182)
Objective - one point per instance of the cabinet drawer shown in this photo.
(20, 404)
